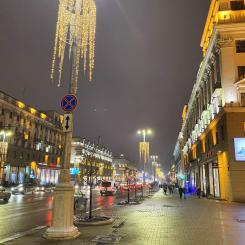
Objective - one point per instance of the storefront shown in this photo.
(48, 174)
(209, 175)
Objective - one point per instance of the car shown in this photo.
(23, 188)
(4, 195)
(107, 188)
(39, 189)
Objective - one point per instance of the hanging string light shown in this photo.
(144, 151)
(76, 26)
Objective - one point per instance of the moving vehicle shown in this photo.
(107, 188)
(39, 189)
(23, 188)
(4, 195)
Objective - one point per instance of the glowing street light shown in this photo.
(144, 133)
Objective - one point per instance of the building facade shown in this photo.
(31, 143)
(124, 170)
(86, 158)
(212, 137)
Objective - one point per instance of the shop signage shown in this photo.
(239, 145)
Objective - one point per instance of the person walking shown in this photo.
(165, 188)
(199, 192)
(180, 192)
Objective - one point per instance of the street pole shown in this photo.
(90, 190)
(62, 227)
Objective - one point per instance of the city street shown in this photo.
(162, 220)
(24, 212)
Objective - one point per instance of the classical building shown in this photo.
(212, 137)
(88, 158)
(31, 142)
(123, 169)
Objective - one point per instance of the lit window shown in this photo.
(46, 158)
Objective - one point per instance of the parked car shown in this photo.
(23, 188)
(4, 195)
(107, 188)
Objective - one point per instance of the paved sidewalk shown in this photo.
(164, 220)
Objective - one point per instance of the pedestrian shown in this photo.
(184, 192)
(165, 188)
(199, 192)
(180, 192)
(170, 189)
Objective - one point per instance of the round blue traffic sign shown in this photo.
(69, 103)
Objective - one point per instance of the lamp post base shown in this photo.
(62, 227)
(66, 233)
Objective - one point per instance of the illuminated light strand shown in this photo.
(144, 151)
(76, 26)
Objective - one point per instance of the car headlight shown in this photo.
(42, 188)
(76, 186)
(12, 189)
(21, 189)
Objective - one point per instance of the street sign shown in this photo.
(69, 103)
(67, 123)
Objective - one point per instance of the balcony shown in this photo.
(229, 16)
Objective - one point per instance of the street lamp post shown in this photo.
(73, 16)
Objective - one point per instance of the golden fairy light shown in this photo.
(76, 27)
(144, 151)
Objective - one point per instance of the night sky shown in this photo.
(147, 57)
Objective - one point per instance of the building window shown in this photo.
(241, 72)
(240, 46)
(3, 111)
(237, 5)
(243, 99)
(11, 115)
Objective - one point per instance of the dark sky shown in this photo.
(147, 57)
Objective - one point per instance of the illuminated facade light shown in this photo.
(32, 110)
(20, 104)
(43, 116)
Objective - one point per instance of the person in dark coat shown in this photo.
(199, 192)
(180, 192)
(165, 188)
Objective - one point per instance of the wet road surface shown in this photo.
(24, 212)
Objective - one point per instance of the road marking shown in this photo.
(20, 214)
(93, 210)
(21, 234)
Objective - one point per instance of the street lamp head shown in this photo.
(139, 132)
(149, 132)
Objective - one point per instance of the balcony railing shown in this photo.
(230, 16)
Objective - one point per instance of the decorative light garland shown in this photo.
(76, 26)
(144, 151)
